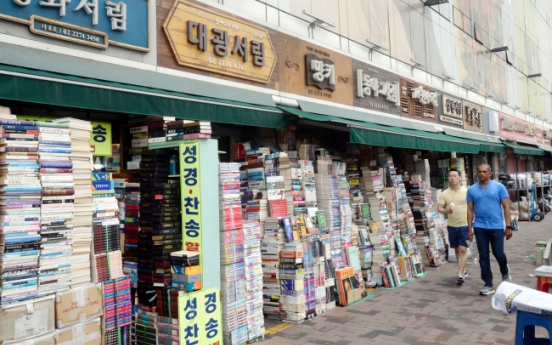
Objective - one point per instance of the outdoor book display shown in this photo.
(297, 233)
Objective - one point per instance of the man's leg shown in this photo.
(484, 255)
(462, 256)
(496, 238)
(453, 240)
(462, 253)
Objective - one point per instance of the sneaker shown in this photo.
(465, 274)
(487, 290)
(507, 277)
(460, 279)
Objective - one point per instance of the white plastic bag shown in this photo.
(472, 252)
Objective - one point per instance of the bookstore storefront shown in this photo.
(204, 203)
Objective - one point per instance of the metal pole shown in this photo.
(517, 184)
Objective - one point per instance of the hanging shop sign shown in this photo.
(95, 23)
(375, 88)
(449, 112)
(313, 71)
(492, 121)
(418, 101)
(473, 117)
(190, 184)
(512, 128)
(200, 318)
(205, 38)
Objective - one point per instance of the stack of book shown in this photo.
(273, 242)
(293, 300)
(138, 144)
(186, 270)
(168, 331)
(187, 130)
(117, 304)
(319, 275)
(233, 291)
(254, 155)
(20, 229)
(81, 167)
(113, 163)
(306, 151)
(158, 128)
(308, 179)
(56, 218)
(145, 328)
(131, 231)
(160, 228)
(298, 192)
(253, 279)
(309, 277)
(278, 179)
(107, 261)
(423, 169)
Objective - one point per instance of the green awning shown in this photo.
(307, 115)
(486, 146)
(379, 135)
(37, 86)
(524, 149)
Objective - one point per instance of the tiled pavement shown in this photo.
(430, 310)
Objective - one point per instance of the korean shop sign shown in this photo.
(472, 116)
(206, 38)
(418, 101)
(375, 88)
(513, 128)
(200, 318)
(313, 71)
(190, 185)
(450, 111)
(95, 23)
(100, 139)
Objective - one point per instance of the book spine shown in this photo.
(54, 130)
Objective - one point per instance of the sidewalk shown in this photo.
(430, 310)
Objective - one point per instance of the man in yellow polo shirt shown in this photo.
(453, 202)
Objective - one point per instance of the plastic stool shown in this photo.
(525, 328)
(543, 283)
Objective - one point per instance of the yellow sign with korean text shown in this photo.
(190, 191)
(200, 318)
(206, 38)
(100, 139)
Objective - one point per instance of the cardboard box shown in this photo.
(539, 253)
(86, 333)
(78, 305)
(44, 339)
(26, 319)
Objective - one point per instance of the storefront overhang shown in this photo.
(36, 86)
(360, 116)
(525, 149)
(380, 135)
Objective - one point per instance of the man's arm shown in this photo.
(441, 208)
(470, 220)
(507, 218)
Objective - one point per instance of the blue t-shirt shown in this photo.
(487, 205)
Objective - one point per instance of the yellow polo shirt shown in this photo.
(460, 215)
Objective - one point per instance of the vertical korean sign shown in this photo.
(200, 318)
(100, 138)
(190, 186)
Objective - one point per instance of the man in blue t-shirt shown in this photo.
(486, 201)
